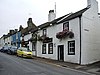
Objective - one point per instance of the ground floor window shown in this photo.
(33, 46)
(44, 49)
(50, 48)
(71, 47)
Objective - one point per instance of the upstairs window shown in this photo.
(66, 25)
(44, 32)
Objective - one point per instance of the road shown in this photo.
(13, 65)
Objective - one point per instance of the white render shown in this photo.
(26, 38)
(8, 40)
(74, 25)
(90, 37)
(2, 41)
(51, 16)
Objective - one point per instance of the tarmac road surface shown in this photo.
(13, 65)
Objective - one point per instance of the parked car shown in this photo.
(12, 50)
(24, 52)
(5, 49)
(1, 49)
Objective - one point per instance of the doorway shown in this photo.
(61, 52)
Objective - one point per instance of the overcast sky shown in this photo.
(14, 13)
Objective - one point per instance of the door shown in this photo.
(61, 52)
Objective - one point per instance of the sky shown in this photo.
(14, 13)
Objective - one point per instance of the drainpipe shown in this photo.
(36, 50)
(80, 39)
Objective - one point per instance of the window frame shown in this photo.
(49, 50)
(44, 51)
(33, 46)
(45, 32)
(64, 25)
(71, 48)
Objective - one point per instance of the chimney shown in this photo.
(20, 28)
(51, 15)
(11, 31)
(93, 4)
(29, 22)
(16, 30)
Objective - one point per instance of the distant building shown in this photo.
(26, 33)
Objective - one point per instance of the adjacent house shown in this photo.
(7, 39)
(13, 42)
(2, 43)
(14, 37)
(72, 38)
(26, 34)
(33, 41)
(18, 37)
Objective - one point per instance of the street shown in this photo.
(13, 65)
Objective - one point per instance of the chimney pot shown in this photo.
(51, 11)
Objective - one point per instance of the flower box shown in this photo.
(64, 34)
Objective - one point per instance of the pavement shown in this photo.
(92, 68)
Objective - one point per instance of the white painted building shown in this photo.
(2, 41)
(26, 35)
(73, 37)
(26, 38)
(7, 40)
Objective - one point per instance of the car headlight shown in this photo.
(25, 53)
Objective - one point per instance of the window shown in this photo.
(44, 32)
(66, 25)
(33, 46)
(71, 47)
(50, 48)
(44, 49)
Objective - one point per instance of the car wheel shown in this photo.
(22, 55)
(10, 52)
(17, 55)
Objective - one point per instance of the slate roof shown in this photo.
(5, 36)
(34, 30)
(64, 18)
(74, 15)
(52, 22)
(26, 30)
(44, 25)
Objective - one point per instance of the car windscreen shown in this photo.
(13, 47)
(25, 49)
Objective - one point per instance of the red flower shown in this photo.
(64, 34)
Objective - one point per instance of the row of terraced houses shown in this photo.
(73, 37)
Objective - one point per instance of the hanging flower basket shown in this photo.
(33, 38)
(39, 38)
(43, 38)
(71, 34)
(65, 33)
